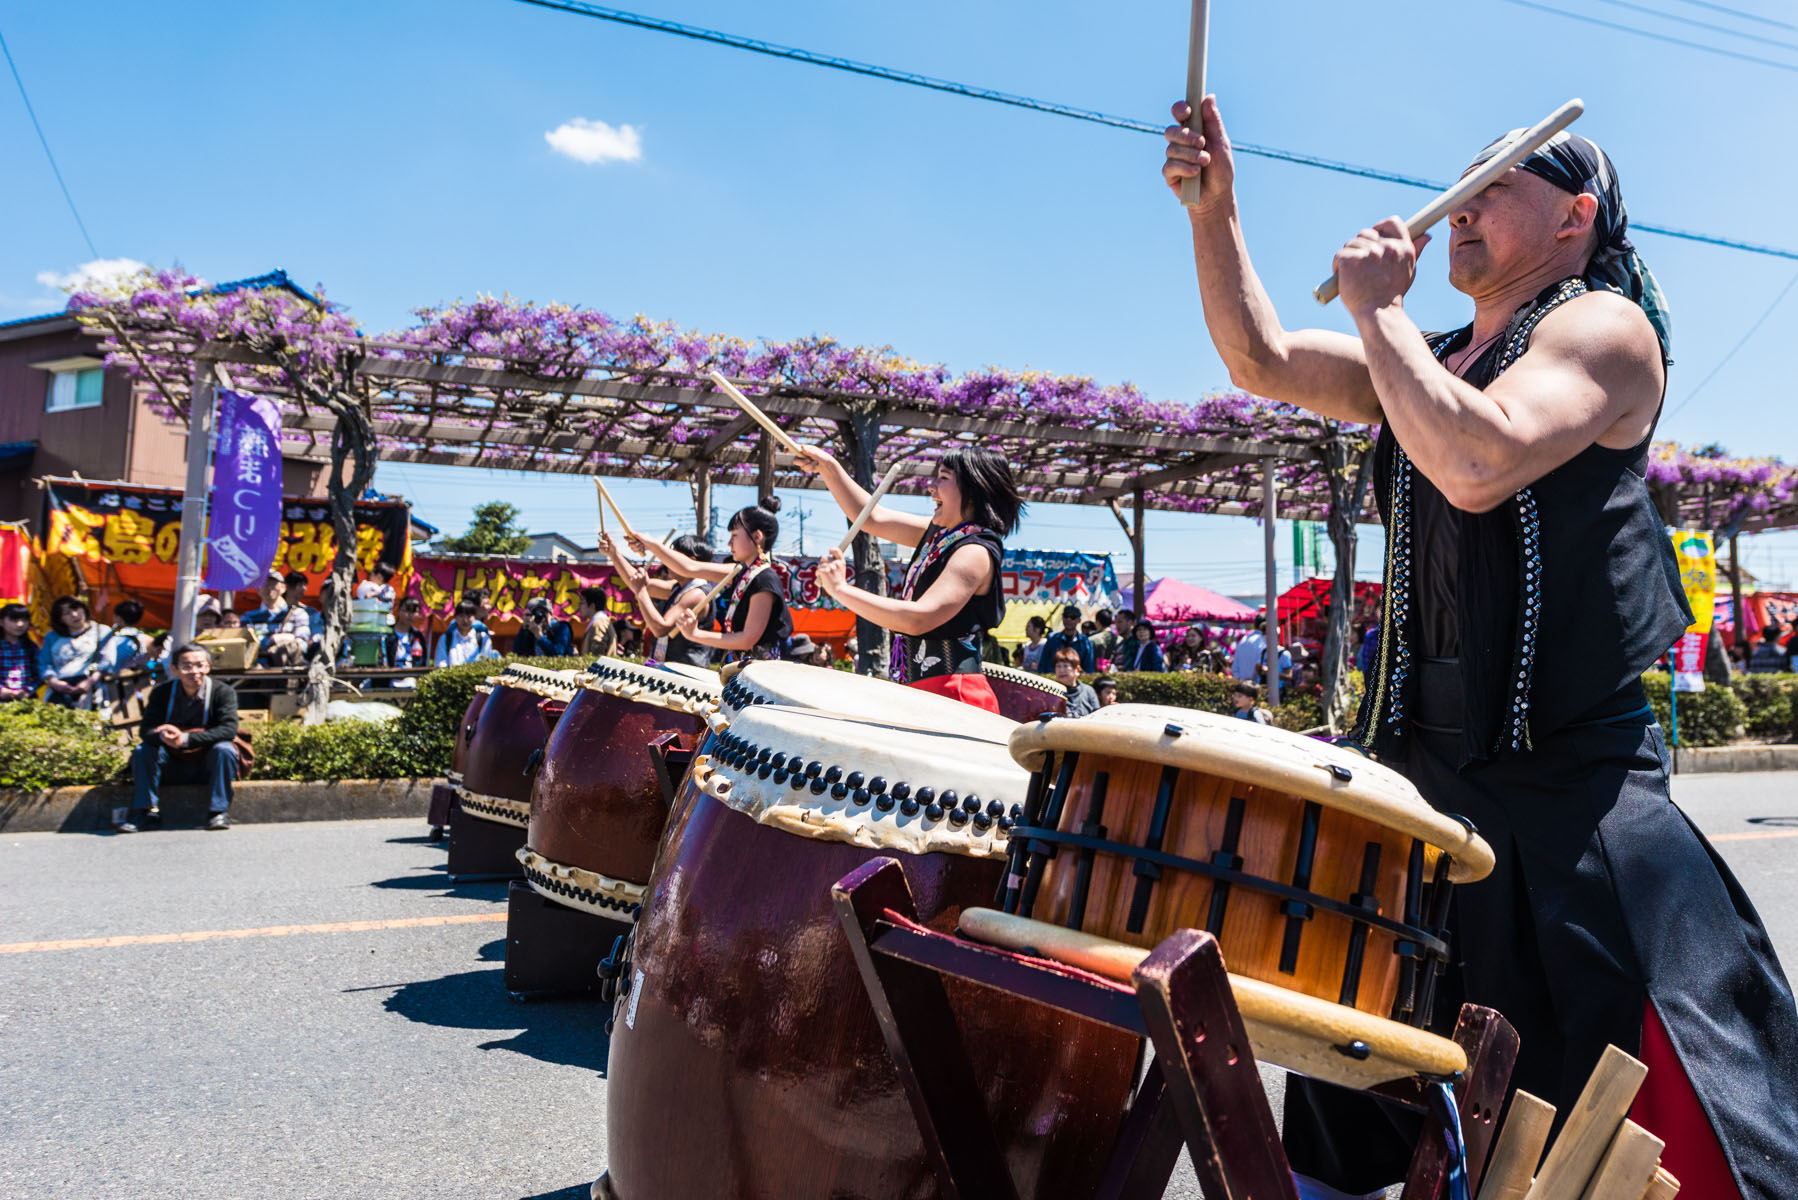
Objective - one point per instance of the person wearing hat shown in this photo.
(1069, 637)
(540, 634)
(801, 649)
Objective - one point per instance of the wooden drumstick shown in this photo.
(861, 518)
(1521, 147)
(607, 498)
(1195, 87)
(1519, 1149)
(761, 418)
(1591, 1124)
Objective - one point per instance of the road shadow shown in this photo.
(423, 839)
(1777, 822)
(569, 1032)
(494, 951)
(436, 879)
(580, 1191)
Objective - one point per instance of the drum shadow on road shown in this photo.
(438, 880)
(580, 1191)
(568, 1032)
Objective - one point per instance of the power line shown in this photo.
(910, 79)
(1752, 330)
(1712, 26)
(45, 142)
(1736, 12)
(1659, 37)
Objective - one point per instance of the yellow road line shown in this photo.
(1757, 834)
(207, 935)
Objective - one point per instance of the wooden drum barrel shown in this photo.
(1024, 696)
(745, 1059)
(1318, 870)
(597, 808)
(508, 741)
(465, 731)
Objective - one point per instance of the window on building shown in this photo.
(75, 389)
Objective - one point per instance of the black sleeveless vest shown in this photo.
(1564, 594)
(953, 648)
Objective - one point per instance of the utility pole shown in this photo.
(802, 515)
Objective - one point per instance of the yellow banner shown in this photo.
(1698, 572)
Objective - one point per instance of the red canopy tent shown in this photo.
(1170, 600)
(1306, 600)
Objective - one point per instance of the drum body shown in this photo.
(508, 743)
(1317, 870)
(465, 730)
(1024, 696)
(597, 804)
(745, 1058)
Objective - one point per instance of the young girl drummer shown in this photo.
(951, 596)
(658, 600)
(750, 607)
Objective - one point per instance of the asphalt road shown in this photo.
(381, 1060)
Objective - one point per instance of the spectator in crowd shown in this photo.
(630, 641)
(1250, 652)
(540, 634)
(1030, 651)
(1081, 698)
(207, 619)
(1193, 652)
(290, 637)
(1769, 658)
(1106, 689)
(70, 661)
(1124, 625)
(483, 604)
(1105, 642)
(266, 619)
(992, 650)
(189, 726)
(18, 654)
(465, 640)
(1370, 646)
(598, 637)
(1069, 637)
(124, 653)
(1142, 652)
(404, 644)
(230, 620)
(824, 656)
(1089, 628)
(802, 649)
(378, 585)
(1245, 702)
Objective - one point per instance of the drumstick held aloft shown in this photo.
(1195, 86)
(606, 498)
(761, 418)
(861, 518)
(1525, 144)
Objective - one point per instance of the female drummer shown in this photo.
(951, 595)
(659, 600)
(748, 603)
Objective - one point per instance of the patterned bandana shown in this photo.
(1575, 165)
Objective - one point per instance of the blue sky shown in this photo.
(398, 154)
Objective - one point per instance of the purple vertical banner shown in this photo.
(243, 530)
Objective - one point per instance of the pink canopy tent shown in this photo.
(1171, 601)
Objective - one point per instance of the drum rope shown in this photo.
(1442, 1101)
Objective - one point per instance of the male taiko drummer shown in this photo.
(1529, 583)
(951, 596)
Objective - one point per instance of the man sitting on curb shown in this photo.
(189, 724)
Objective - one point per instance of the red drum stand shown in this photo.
(1202, 1088)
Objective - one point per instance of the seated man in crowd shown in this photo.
(188, 727)
(1081, 698)
(540, 635)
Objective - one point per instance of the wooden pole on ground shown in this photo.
(191, 554)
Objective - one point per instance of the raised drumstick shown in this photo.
(607, 498)
(1524, 145)
(1195, 86)
(761, 418)
(861, 518)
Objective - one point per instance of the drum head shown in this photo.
(861, 697)
(653, 685)
(877, 785)
(1260, 754)
(1046, 684)
(557, 685)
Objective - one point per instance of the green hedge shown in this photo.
(47, 745)
(1712, 717)
(416, 743)
(1771, 703)
(1211, 693)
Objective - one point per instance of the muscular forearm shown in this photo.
(1453, 432)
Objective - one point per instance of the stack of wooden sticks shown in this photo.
(1600, 1154)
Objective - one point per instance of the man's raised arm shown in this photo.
(1316, 369)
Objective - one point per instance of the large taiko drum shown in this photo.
(1320, 872)
(465, 730)
(597, 810)
(746, 1060)
(508, 741)
(1025, 695)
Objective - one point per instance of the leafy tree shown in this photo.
(493, 532)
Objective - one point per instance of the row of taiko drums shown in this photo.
(710, 819)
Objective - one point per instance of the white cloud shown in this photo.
(99, 275)
(596, 142)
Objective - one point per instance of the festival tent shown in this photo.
(1170, 600)
(1306, 601)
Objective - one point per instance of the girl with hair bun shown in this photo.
(748, 602)
(951, 596)
(658, 600)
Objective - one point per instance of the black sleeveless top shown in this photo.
(1550, 604)
(680, 650)
(780, 622)
(953, 648)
